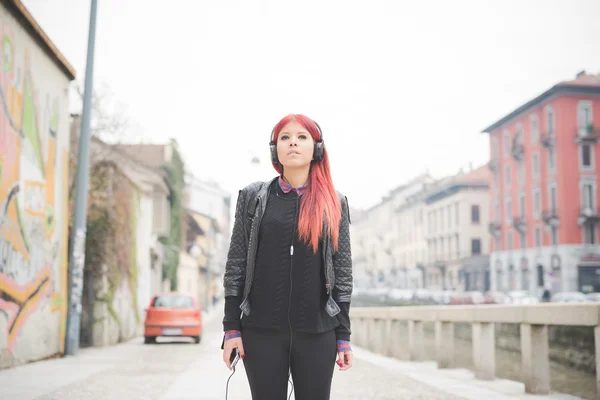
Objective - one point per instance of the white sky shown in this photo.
(398, 87)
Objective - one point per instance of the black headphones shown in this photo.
(317, 153)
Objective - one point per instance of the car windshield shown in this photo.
(173, 302)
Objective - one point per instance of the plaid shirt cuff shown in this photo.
(343, 346)
(232, 334)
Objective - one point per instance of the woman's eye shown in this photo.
(302, 136)
(284, 137)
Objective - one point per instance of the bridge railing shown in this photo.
(378, 329)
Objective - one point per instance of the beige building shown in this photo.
(370, 236)
(457, 233)
(410, 246)
(386, 248)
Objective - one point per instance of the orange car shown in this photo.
(173, 315)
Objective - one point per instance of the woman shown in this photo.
(288, 278)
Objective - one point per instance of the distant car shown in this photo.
(173, 315)
(496, 297)
(568, 297)
(595, 297)
(522, 297)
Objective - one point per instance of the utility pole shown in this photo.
(77, 256)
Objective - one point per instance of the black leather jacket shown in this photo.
(239, 269)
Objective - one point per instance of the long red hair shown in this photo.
(320, 200)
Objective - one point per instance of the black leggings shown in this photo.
(266, 364)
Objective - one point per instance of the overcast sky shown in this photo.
(399, 87)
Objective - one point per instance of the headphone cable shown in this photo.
(227, 384)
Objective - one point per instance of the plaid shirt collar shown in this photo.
(286, 187)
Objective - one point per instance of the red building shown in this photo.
(544, 196)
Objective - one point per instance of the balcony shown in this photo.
(550, 217)
(517, 150)
(588, 214)
(495, 229)
(548, 140)
(493, 165)
(587, 134)
(520, 224)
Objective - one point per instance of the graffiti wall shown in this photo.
(33, 197)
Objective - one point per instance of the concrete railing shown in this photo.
(378, 329)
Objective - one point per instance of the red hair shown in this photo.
(320, 200)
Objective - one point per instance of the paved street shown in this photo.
(186, 371)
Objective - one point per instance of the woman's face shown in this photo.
(295, 146)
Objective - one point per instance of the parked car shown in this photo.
(471, 298)
(595, 297)
(173, 315)
(568, 297)
(522, 297)
(496, 297)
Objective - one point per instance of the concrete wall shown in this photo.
(33, 179)
(107, 331)
(144, 242)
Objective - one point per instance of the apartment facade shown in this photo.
(544, 191)
(410, 248)
(457, 236)
(387, 245)
(371, 237)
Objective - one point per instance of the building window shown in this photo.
(538, 236)
(551, 159)
(457, 246)
(540, 276)
(475, 214)
(456, 211)
(587, 195)
(554, 236)
(549, 120)
(525, 279)
(509, 240)
(536, 166)
(534, 129)
(506, 142)
(475, 246)
(507, 176)
(521, 173)
(499, 279)
(449, 216)
(590, 233)
(553, 197)
(584, 117)
(586, 156)
(508, 211)
(522, 204)
(497, 211)
(536, 203)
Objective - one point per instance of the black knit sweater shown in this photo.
(286, 285)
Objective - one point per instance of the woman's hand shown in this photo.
(345, 360)
(228, 346)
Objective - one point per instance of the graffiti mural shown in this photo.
(33, 190)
